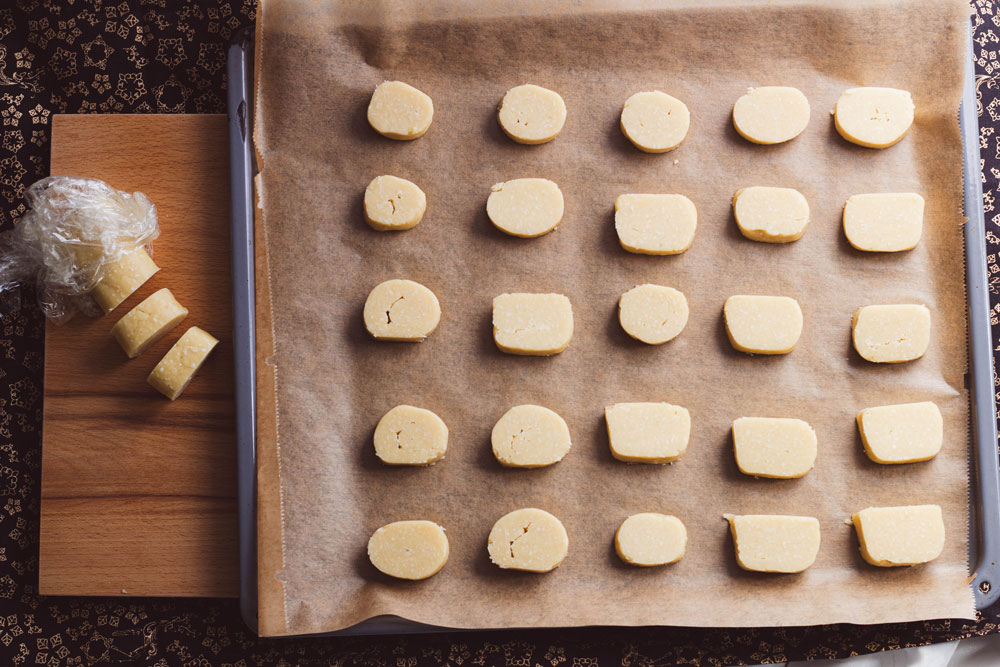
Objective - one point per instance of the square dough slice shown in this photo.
(532, 324)
(904, 433)
(892, 333)
(894, 536)
(148, 322)
(647, 432)
(177, 368)
(884, 222)
(763, 324)
(771, 215)
(774, 543)
(122, 278)
(655, 224)
(780, 448)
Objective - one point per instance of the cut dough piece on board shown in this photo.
(525, 207)
(530, 436)
(528, 539)
(655, 122)
(148, 322)
(647, 432)
(892, 333)
(763, 324)
(774, 543)
(401, 310)
(399, 111)
(884, 222)
(177, 368)
(771, 215)
(653, 314)
(904, 433)
(409, 549)
(771, 114)
(530, 114)
(774, 447)
(893, 536)
(655, 224)
(410, 436)
(122, 278)
(651, 539)
(532, 324)
(394, 203)
(874, 117)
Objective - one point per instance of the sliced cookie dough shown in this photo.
(532, 324)
(904, 433)
(774, 543)
(530, 436)
(409, 549)
(410, 436)
(397, 110)
(894, 536)
(874, 117)
(177, 368)
(771, 215)
(122, 278)
(763, 324)
(525, 207)
(771, 114)
(148, 322)
(393, 203)
(650, 539)
(530, 114)
(653, 314)
(884, 222)
(774, 447)
(892, 333)
(655, 122)
(401, 310)
(650, 224)
(528, 539)
(647, 432)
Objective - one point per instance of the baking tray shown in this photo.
(984, 519)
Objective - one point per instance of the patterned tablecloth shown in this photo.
(168, 56)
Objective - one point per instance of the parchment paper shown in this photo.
(325, 383)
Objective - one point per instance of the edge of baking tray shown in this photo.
(984, 550)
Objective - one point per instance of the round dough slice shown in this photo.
(409, 549)
(771, 215)
(530, 436)
(651, 539)
(655, 122)
(771, 114)
(530, 114)
(401, 310)
(528, 539)
(399, 111)
(148, 322)
(409, 436)
(394, 203)
(874, 117)
(653, 314)
(525, 207)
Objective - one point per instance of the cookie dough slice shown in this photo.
(874, 117)
(655, 122)
(884, 222)
(530, 436)
(647, 432)
(410, 436)
(530, 114)
(397, 110)
(122, 278)
(763, 324)
(177, 368)
(892, 333)
(148, 322)
(904, 433)
(528, 539)
(773, 447)
(532, 324)
(655, 224)
(894, 536)
(393, 203)
(653, 314)
(771, 215)
(651, 539)
(771, 114)
(401, 310)
(774, 543)
(525, 207)
(409, 549)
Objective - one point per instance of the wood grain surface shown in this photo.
(139, 493)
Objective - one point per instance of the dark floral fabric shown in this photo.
(168, 56)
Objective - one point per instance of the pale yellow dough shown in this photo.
(409, 549)
(122, 278)
(530, 436)
(393, 203)
(874, 117)
(532, 324)
(904, 433)
(651, 539)
(771, 114)
(647, 432)
(653, 314)
(177, 368)
(763, 324)
(399, 111)
(771, 215)
(892, 333)
(774, 543)
(893, 536)
(884, 222)
(525, 207)
(410, 436)
(774, 447)
(148, 322)
(401, 310)
(530, 114)
(654, 121)
(528, 539)
(655, 224)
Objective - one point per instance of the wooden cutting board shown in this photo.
(139, 493)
